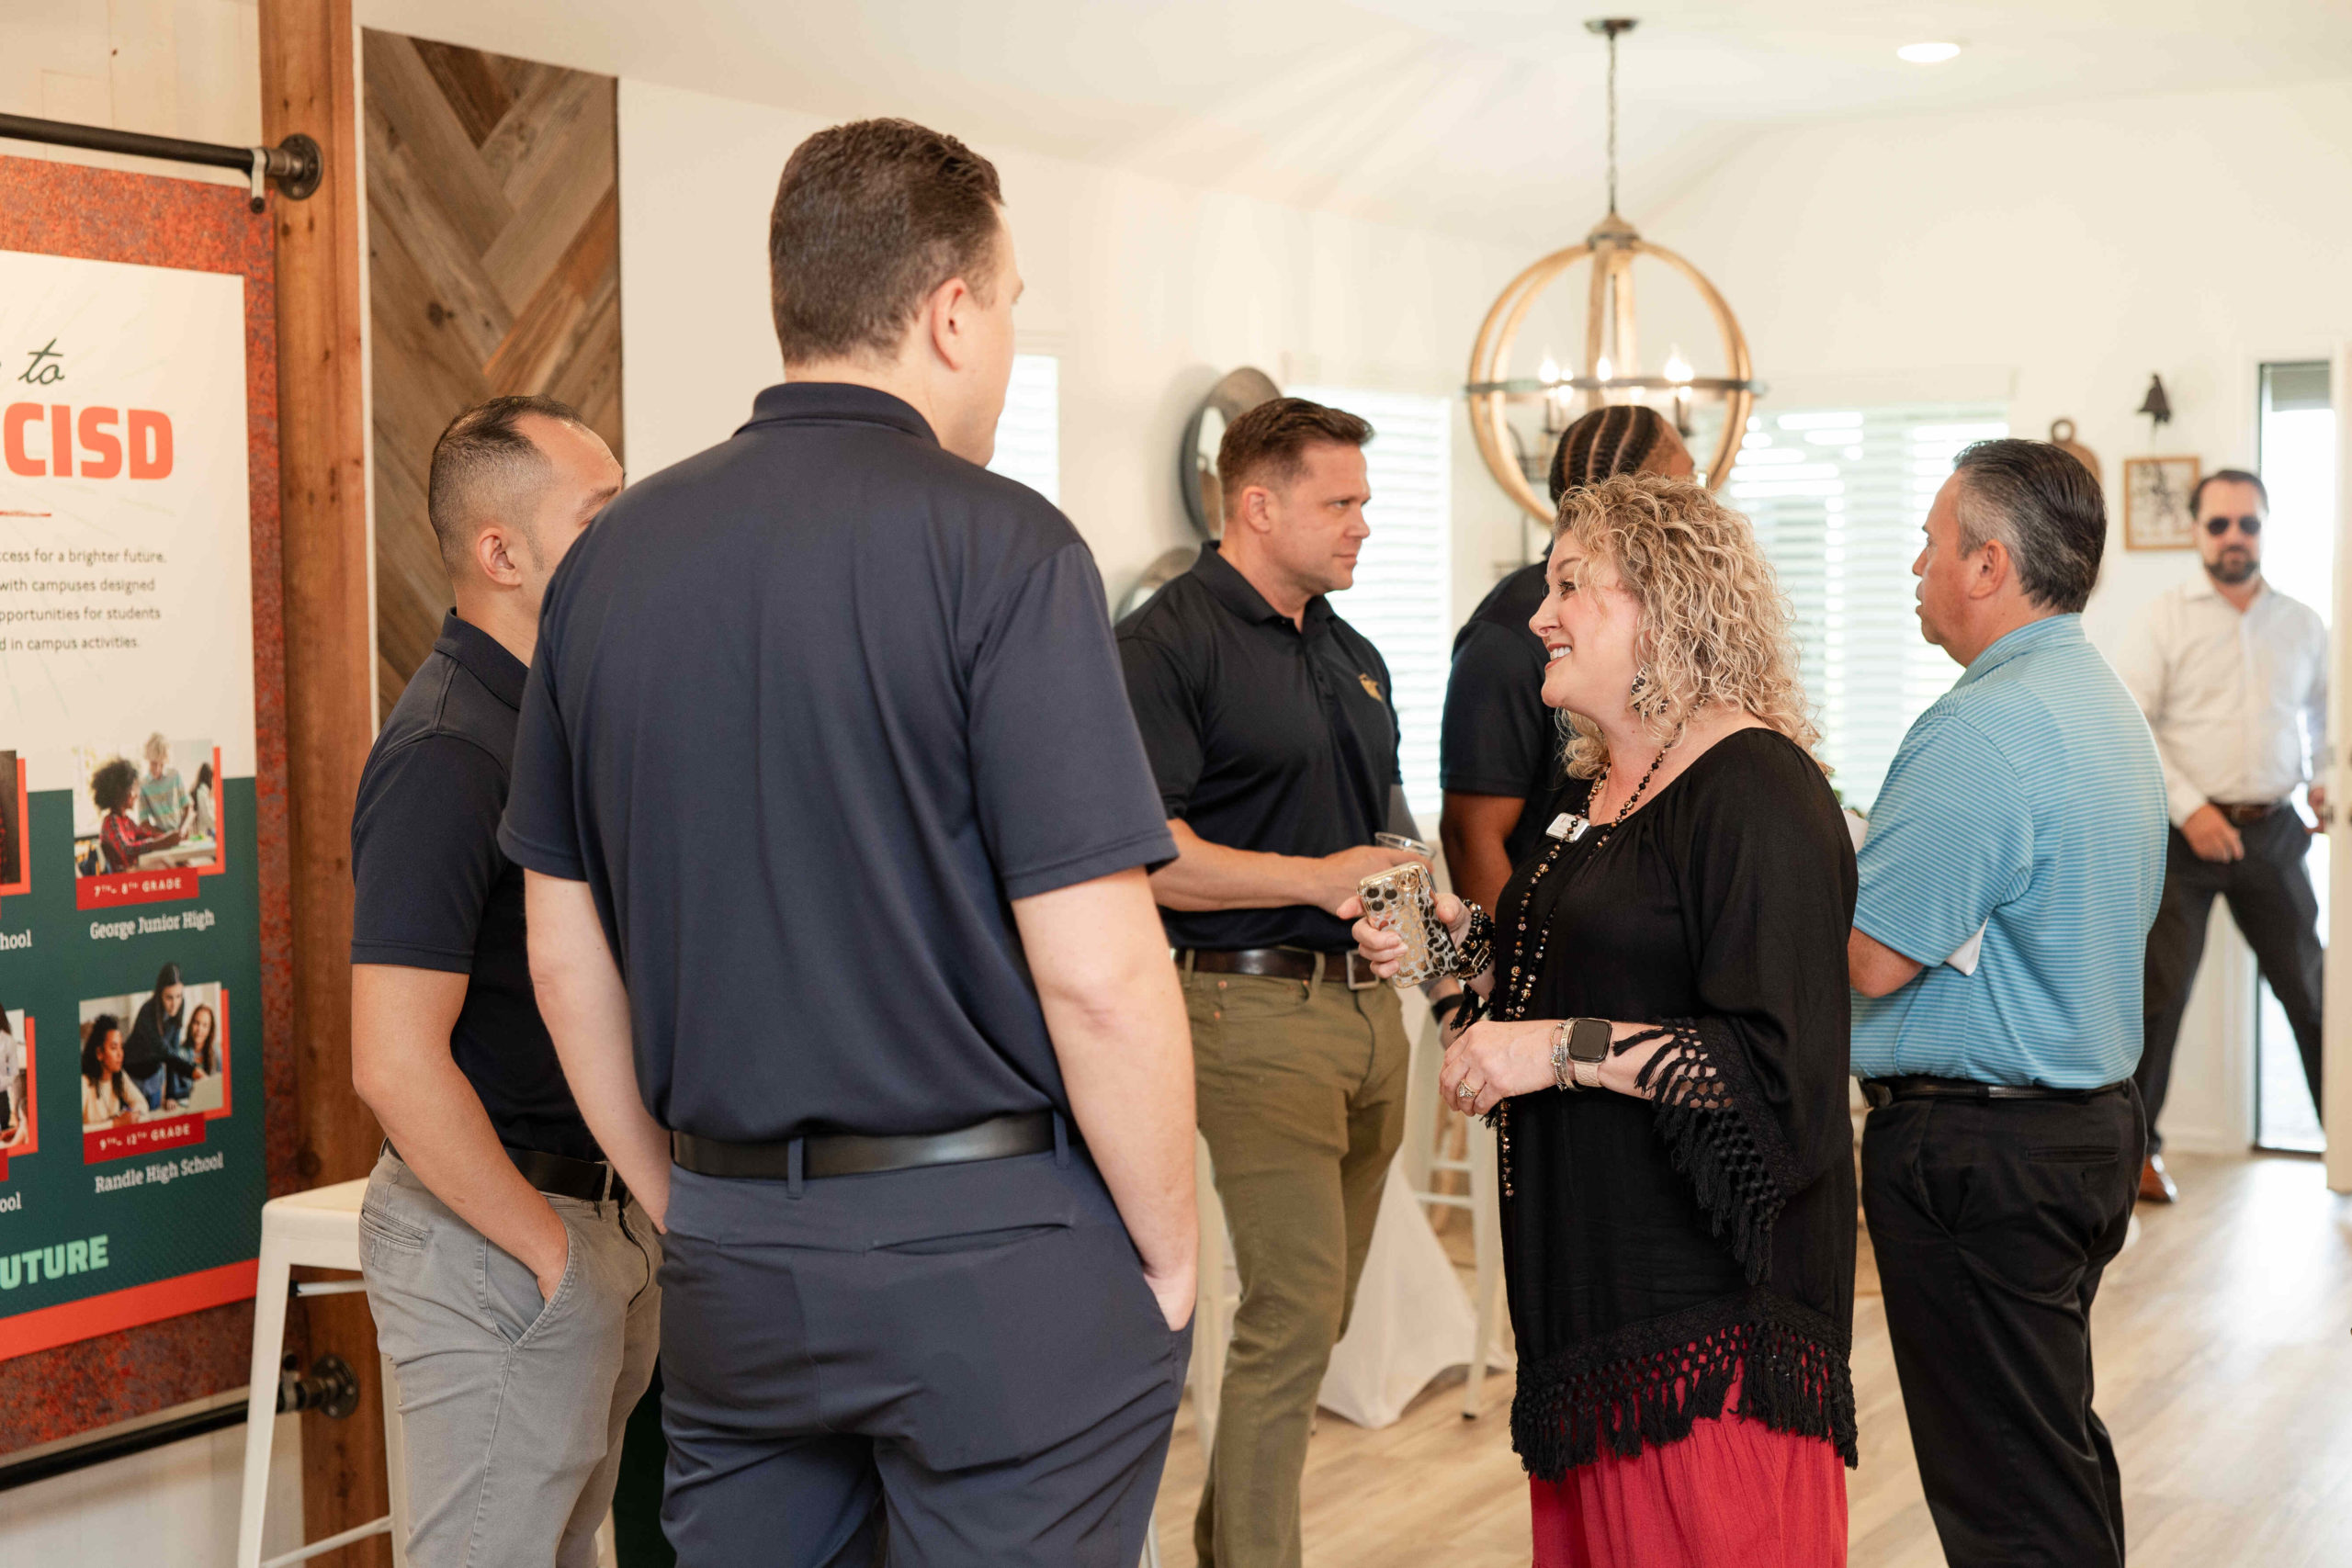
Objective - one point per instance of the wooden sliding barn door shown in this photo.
(494, 254)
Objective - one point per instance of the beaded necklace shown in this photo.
(1518, 989)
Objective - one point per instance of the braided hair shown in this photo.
(1616, 438)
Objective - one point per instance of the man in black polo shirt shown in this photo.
(511, 1277)
(1498, 751)
(831, 713)
(1273, 740)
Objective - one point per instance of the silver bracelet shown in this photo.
(1560, 1070)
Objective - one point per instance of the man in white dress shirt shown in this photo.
(2233, 675)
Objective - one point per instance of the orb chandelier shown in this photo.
(1612, 368)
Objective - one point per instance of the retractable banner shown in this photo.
(131, 1148)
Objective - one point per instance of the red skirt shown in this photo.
(1735, 1494)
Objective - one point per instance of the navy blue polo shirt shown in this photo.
(1263, 736)
(810, 709)
(432, 891)
(1497, 737)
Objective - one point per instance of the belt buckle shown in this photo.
(1370, 982)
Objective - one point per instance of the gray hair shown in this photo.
(2046, 510)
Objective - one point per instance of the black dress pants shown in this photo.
(2270, 895)
(1992, 1221)
(952, 1366)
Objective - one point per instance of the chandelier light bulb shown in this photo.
(1931, 54)
(1677, 368)
(1601, 368)
(1549, 371)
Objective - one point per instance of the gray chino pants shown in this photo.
(513, 1407)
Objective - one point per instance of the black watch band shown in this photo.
(1444, 1007)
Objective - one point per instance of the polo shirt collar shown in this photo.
(836, 402)
(1237, 593)
(484, 658)
(2052, 631)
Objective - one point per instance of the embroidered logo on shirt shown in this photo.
(1370, 685)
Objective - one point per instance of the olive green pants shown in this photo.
(1302, 1101)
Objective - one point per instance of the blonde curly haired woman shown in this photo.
(1663, 1042)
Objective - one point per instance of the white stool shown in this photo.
(1482, 1201)
(319, 1229)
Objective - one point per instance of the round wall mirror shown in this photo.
(1235, 394)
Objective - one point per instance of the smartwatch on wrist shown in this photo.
(1578, 1047)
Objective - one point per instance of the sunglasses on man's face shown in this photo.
(2249, 527)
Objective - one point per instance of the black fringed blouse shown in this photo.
(1654, 1249)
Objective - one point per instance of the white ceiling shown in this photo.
(1480, 116)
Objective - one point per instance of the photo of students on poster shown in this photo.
(16, 1084)
(167, 1044)
(12, 822)
(144, 814)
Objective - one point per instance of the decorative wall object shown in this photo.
(493, 249)
(2155, 405)
(1611, 370)
(1235, 394)
(2061, 435)
(2156, 512)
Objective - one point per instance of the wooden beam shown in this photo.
(310, 84)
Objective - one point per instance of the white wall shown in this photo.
(2062, 253)
(170, 1507)
(1147, 290)
(188, 68)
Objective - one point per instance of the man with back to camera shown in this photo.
(1274, 742)
(831, 713)
(2002, 1152)
(2233, 675)
(1498, 751)
(511, 1276)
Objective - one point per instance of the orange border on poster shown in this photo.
(45, 1327)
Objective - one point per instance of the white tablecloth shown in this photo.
(1412, 1321)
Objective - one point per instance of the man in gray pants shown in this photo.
(510, 1274)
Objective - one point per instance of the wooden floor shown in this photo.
(2225, 1375)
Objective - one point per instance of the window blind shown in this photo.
(1403, 595)
(1029, 430)
(1838, 497)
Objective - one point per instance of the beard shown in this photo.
(2233, 566)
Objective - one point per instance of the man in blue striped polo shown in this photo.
(2013, 867)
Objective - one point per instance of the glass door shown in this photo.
(2298, 464)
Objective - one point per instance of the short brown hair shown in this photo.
(483, 455)
(1270, 442)
(869, 219)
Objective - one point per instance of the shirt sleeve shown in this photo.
(1167, 712)
(1751, 1094)
(1951, 839)
(2323, 761)
(1063, 793)
(540, 829)
(1497, 734)
(2142, 665)
(424, 854)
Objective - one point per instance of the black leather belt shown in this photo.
(590, 1180)
(1886, 1092)
(1281, 964)
(848, 1153)
(2246, 816)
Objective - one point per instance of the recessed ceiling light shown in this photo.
(1927, 53)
